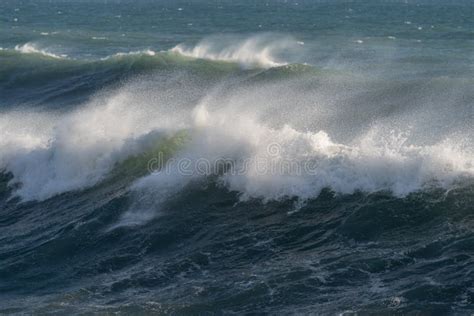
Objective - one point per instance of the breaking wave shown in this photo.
(257, 51)
(31, 48)
(79, 149)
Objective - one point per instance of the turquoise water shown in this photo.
(236, 157)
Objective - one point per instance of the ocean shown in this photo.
(236, 157)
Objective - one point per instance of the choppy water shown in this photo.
(293, 157)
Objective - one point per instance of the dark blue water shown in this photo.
(236, 157)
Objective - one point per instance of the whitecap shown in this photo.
(31, 48)
(256, 51)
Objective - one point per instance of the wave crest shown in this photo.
(257, 51)
(31, 48)
(147, 52)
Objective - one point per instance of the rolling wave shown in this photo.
(56, 82)
(57, 78)
(253, 52)
(79, 149)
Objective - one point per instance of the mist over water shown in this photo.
(281, 157)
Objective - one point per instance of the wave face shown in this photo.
(311, 163)
(56, 79)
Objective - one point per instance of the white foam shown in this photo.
(49, 153)
(235, 128)
(22, 132)
(31, 48)
(371, 164)
(147, 52)
(256, 51)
